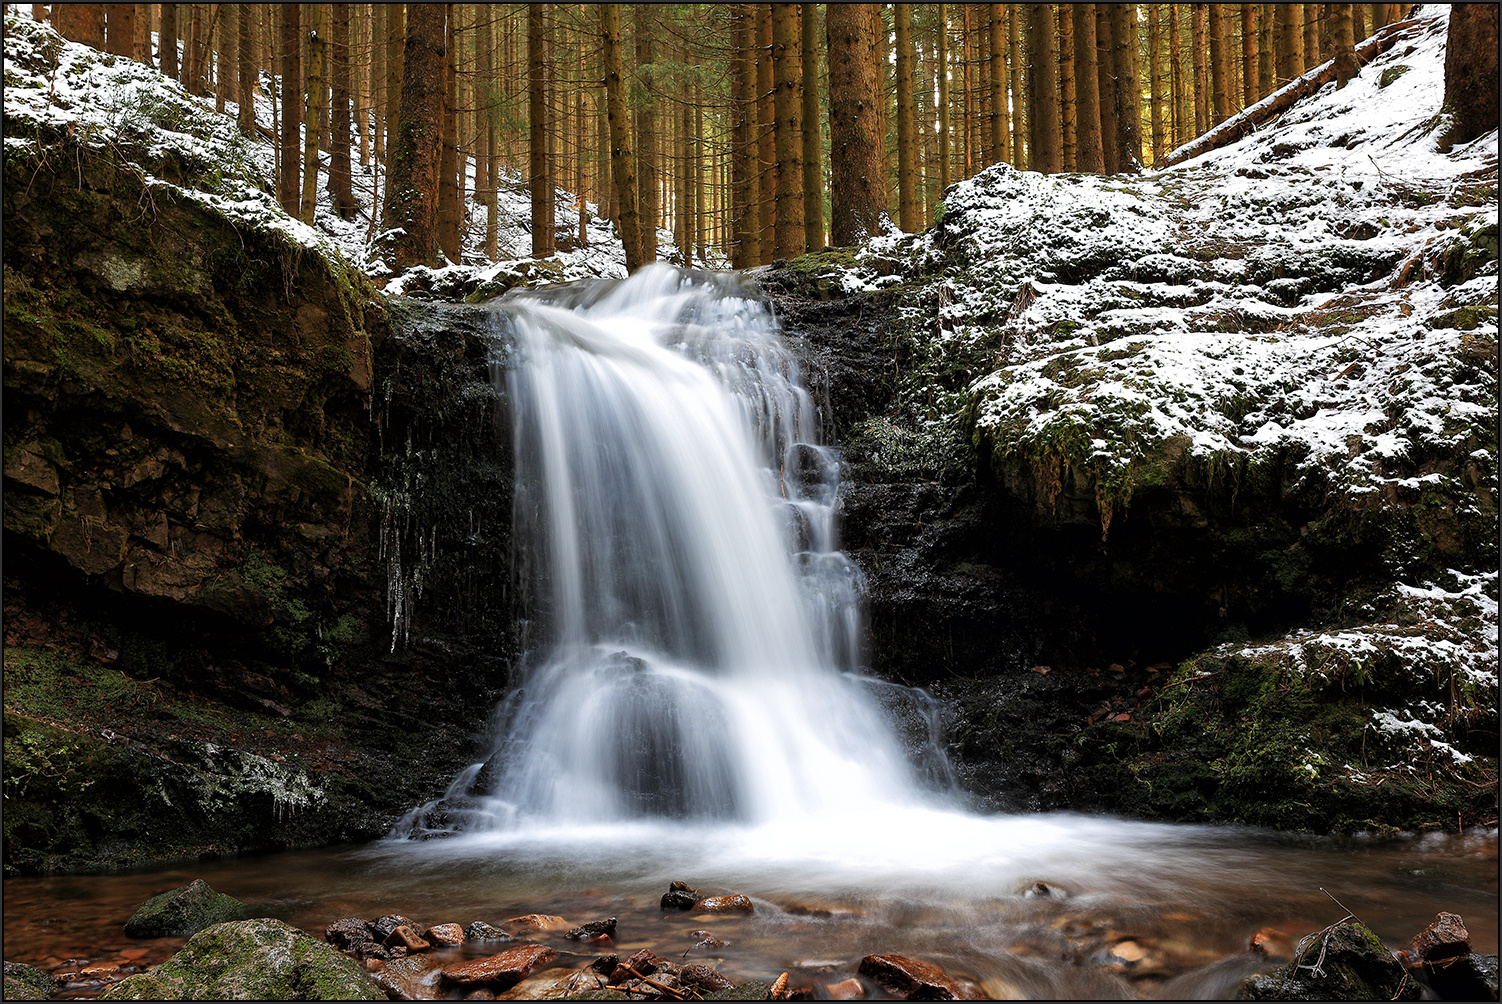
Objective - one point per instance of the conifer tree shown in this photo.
(787, 74)
(1089, 155)
(622, 164)
(411, 211)
(857, 195)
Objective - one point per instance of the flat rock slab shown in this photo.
(912, 979)
(504, 968)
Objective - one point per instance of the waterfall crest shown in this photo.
(694, 627)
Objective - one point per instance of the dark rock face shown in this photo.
(182, 912)
(1463, 978)
(1344, 962)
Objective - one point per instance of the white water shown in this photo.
(694, 627)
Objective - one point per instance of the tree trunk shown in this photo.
(486, 52)
(340, 180)
(1183, 112)
(1202, 105)
(1067, 99)
(813, 171)
(313, 107)
(539, 170)
(1001, 119)
(1290, 41)
(788, 82)
(193, 52)
(166, 39)
(1471, 71)
(1155, 81)
(907, 203)
(1127, 71)
(746, 163)
(1220, 65)
(766, 114)
(1267, 77)
(1043, 109)
(412, 185)
(579, 142)
(81, 22)
(1358, 22)
(448, 150)
(1311, 35)
(396, 34)
(1249, 54)
(1020, 158)
(121, 27)
(648, 174)
(224, 64)
(1105, 77)
(856, 192)
(1089, 153)
(622, 164)
(1343, 31)
(968, 115)
(289, 87)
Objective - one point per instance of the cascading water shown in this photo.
(676, 518)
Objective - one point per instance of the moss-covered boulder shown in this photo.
(1344, 962)
(251, 960)
(183, 911)
(28, 983)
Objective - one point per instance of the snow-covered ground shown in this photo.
(107, 101)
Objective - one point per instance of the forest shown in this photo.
(753, 132)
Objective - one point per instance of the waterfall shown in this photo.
(694, 628)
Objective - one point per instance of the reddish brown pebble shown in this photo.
(911, 979)
(1444, 939)
(445, 934)
(504, 968)
(406, 938)
(724, 904)
(535, 922)
(845, 990)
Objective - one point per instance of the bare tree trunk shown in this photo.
(1067, 99)
(813, 172)
(448, 150)
(289, 88)
(1343, 34)
(1020, 158)
(121, 29)
(225, 14)
(857, 192)
(648, 176)
(766, 142)
(788, 81)
(313, 107)
(539, 172)
(245, 92)
(340, 180)
(1471, 71)
(1001, 120)
(907, 202)
(747, 169)
(579, 133)
(621, 162)
(1155, 81)
(1183, 112)
(412, 186)
(1202, 105)
(1220, 64)
(1249, 54)
(487, 88)
(166, 39)
(1311, 36)
(1044, 110)
(1127, 71)
(967, 166)
(1105, 76)
(1290, 41)
(1089, 154)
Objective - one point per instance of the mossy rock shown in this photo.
(1344, 962)
(260, 959)
(27, 983)
(183, 911)
(753, 990)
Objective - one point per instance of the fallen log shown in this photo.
(1244, 122)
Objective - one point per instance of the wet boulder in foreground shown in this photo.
(913, 980)
(184, 911)
(262, 959)
(1345, 961)
(503, 970)
(28, 983)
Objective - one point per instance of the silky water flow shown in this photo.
(694, 625)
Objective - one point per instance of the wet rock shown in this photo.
(1345, 961)
(679, 897)
(414, 979)
(480, 994)
(261, 959)
(643, 963)
(751, 990)
(911, 979)
(532, 922)
(605, 964)
(349, 935)
(28, 983)
(480, 931)
(184, 911)
(445, 934)
(1463, 977)
(845, 990)
(383, 926)
(404, 937)
(1040, 890)
(725, 904)
(593, 930)
(503, 969)
(1446, 938)
(703, 979)
(1270, 941)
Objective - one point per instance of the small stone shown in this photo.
(593, 930)
(845, 990)
(1039, 890)
(1128, 951)
(643, 963)
(407, 938)
(605, 964)
(445, 934)
(382, 927)
(504, 968)
(1446, 938)
(703, 978)
(182, 912)
(480, 931)
(349, 935)
(535, 922)
(680, 896)
(911, 979)
(1270, 941)
(480, 994)
(725, 904)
